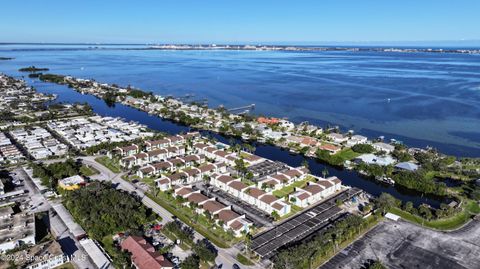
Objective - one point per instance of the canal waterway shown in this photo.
(350, 178)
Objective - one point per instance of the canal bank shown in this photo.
(350, 178)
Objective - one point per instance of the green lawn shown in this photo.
(202, 225)
(285, 191)
(347, 154)
(88, 171)
(456, 221)
(183, 245)
(111, 164)
(244, 260)
(293, 210)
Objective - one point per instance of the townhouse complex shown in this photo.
(9, 153)
(188, 164)
(38, 142)
(85, 132)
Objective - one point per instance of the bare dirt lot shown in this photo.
(404, 245)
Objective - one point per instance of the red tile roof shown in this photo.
(162, 165)
(329, 147)
(147, 170)
(236, 225)
(225, 179)
(157, 142)
(191, 158)
(143, 254)
(196, 198)
(227, 215)
(325, 183)
(213, 206)
(238, 185)
(254, 192)
(313, 188)
(278, 206)
(192, 171)
(268, 199)
(128, 148)
(303, 196)
(206, 167)
(183, 191)
(293, 173)
(280, 177)
(156, 152)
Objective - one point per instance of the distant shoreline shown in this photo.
(294, 48)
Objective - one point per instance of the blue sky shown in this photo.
(241, 21)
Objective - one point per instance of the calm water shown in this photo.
(419, 98)
(350, 178)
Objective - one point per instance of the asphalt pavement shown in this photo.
(226, 256)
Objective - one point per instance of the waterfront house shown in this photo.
(407, 166)
(373, 159)
(380, 146)
(337, 138)
(265, 120)
(330, 148)
(357, 139)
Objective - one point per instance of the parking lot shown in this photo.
(404, 245)
(300, 226)
(266, 168)
(257, 216)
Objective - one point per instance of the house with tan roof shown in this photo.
(270, 203)
(236, 188)
(156, 144)
(332, 149)
(157, 155)
(200, 148)
(295, 174)
(221, 181)
(233, 221)
(194, 175)
(251, 159)
(269, 184)
(175, 151)
(177, 163)
(337, 138)
(127, 150)
(193, 159)
(211, 206)
(163, 183)
(252, 195)
(315, 192)
(134, 160)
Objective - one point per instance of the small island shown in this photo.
(32, 69)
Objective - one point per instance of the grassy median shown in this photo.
(111, 164)
(470, 209)
(216, 236)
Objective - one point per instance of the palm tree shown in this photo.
(325, 172)
(247, 240)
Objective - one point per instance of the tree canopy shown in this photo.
(102, 210)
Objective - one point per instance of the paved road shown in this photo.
(226, 257)
(70, 245)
